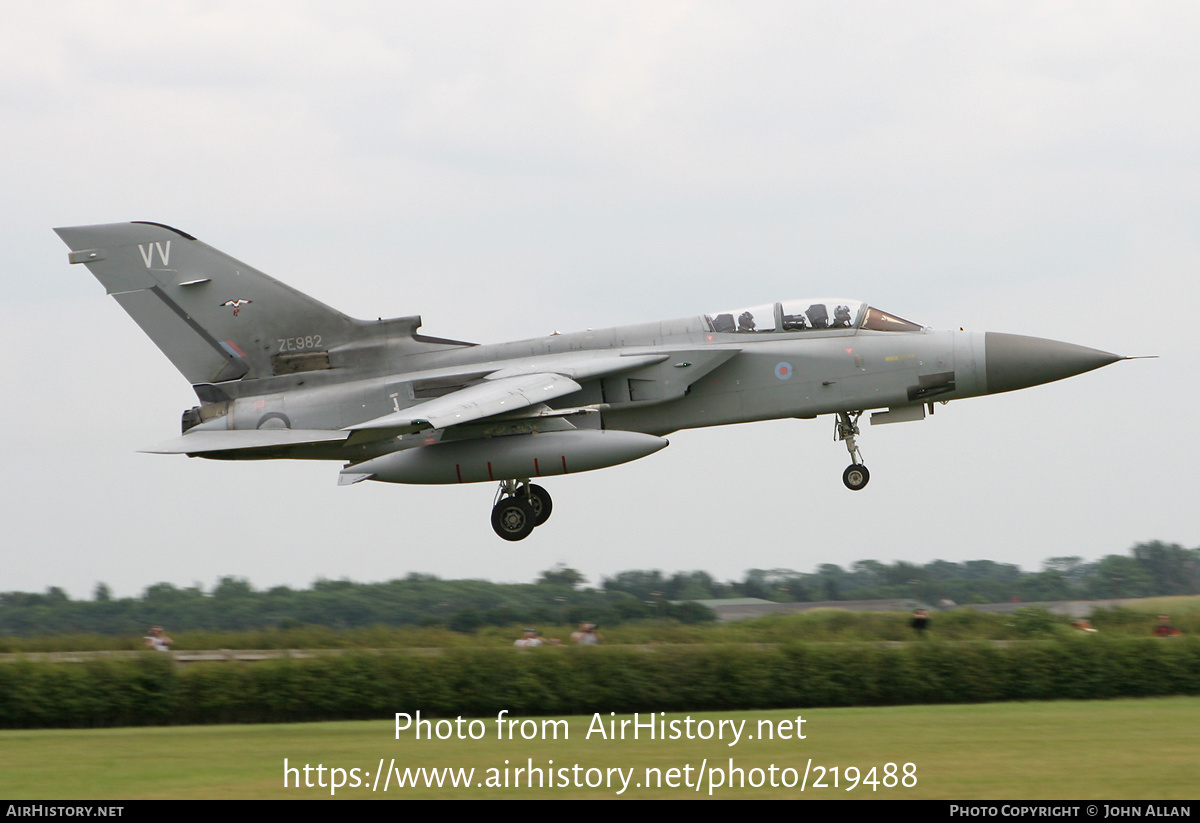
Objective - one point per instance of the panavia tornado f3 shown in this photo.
(280, 375)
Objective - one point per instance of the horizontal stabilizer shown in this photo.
(234, 440)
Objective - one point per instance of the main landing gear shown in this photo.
(520, 507)
(856, 475)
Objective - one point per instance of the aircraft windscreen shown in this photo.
(877, 320)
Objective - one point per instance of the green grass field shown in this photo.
(1116, 750)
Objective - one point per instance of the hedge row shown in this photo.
(152, 690)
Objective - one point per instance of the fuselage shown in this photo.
(709, 378)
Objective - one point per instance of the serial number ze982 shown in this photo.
(851, 777)
(309, 341)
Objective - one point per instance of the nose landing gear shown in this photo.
(856, 475)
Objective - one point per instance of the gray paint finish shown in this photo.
(280, 375)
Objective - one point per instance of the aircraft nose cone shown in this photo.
(1014, 361)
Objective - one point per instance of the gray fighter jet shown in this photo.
(280, 375)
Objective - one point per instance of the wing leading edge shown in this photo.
(512, 388)
(485, 399)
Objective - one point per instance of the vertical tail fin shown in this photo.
(214, 317)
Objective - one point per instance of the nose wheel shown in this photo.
(519, 508)
(856, 475)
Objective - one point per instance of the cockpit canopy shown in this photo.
(807, 316)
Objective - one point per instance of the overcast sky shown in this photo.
(509, 169)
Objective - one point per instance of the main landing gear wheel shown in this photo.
(539, 499)
(855, 477)
(513, 518)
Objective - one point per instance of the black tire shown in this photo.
(856, 477)
(512, 518)
(539, 498)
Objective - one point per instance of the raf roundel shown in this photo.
(783, 371)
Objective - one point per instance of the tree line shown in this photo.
(1152, 569)
(559, 596)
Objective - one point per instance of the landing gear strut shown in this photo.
(856, 475)
(520, 506)
(539, 499)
